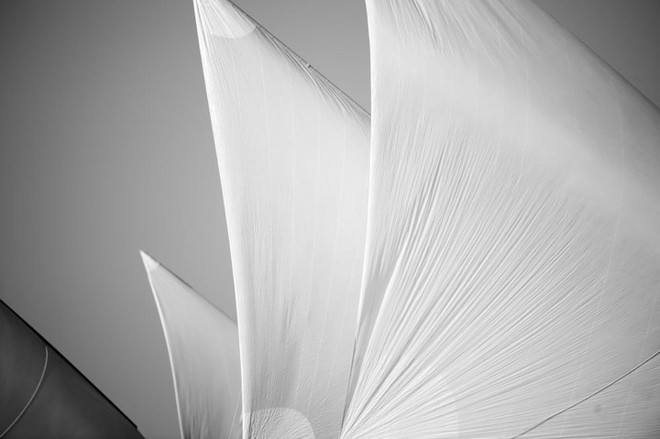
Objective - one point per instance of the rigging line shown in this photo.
(607, 386)
(34, 394)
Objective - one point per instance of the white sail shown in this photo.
(293, 157)
(512, 268)
(202, 343)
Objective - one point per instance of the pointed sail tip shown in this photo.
(150, 264)
(221, 18)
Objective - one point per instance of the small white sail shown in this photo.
(202, 343)
(293, 158)
(512, 268)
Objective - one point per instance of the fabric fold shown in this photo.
(513, 254)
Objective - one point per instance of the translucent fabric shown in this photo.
(512, 268)
(293, 157)
(510, 213)
(202, 343)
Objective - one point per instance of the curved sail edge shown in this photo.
(202, 345)
(293, 158)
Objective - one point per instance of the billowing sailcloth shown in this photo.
(512, 267)
(293, 158)
(202, 344)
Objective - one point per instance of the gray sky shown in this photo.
(107, 148)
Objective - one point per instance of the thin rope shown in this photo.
(36, 389)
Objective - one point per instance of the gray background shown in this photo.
(107, 148)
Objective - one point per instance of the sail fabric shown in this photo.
(22, 365)
(43, 396)
(512, 267)
(202, 344)
(68, 406)
(634, 416)
(293, 158)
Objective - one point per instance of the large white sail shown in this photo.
(512, 267)
(202, 344)
(293, 158)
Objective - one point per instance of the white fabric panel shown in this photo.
(513, 255)
(293, 158)
(202, 343)
(626, 409)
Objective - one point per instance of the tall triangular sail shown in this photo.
(293, 158)
(512, 266)
(202, 344)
